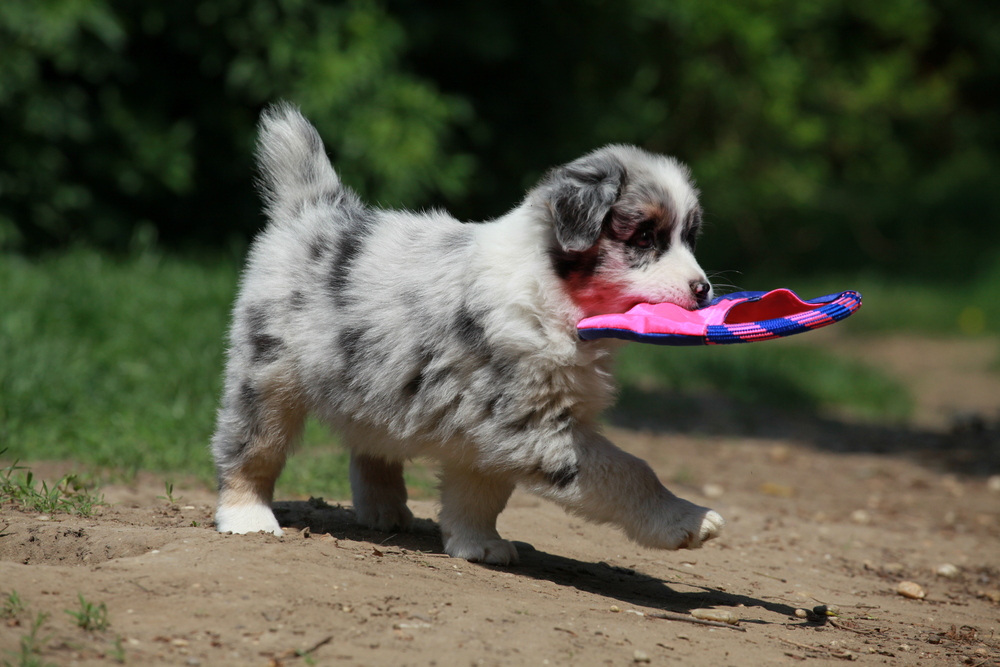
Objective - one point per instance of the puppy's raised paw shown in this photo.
(679, 524)
(710, 526)
(491, 552)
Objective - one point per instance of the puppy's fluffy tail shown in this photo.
(292, 163)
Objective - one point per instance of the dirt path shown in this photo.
(807, 525)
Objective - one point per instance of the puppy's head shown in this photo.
(625, 224)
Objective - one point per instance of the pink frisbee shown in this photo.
(741, 317)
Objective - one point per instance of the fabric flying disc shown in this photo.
(741, 317)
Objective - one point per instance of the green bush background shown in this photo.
(832, 134)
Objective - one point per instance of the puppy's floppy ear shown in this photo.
(579, 196)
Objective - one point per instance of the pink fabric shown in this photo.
(667, 318)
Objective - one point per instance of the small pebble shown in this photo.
(615, 608)
(718, 615)
(639, 656)
(801, 613)
(862, 517)
(44, 517)
(946, 570)
(912, 590)
(713, 491)
(993, 484)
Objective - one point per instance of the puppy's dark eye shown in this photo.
(643, 239)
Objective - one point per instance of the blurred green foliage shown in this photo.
(122, 117)
(832, 134)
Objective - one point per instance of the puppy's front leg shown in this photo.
(470, 504)
(608, 485)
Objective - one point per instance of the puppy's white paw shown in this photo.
(241, 519)
(681, 525)
(710, 526)
(384, 516)
(489, 551)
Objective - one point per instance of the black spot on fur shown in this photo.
(571, 265)
(359, 224)
(248, 396)
(562, 477)
(469, 330)
(297, 300)
(692, 229)
(318, 248)
(522, 423)
(350, 342)
(265, 348)
(415, 383)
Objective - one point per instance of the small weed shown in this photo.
(91, 616)
(169, 489)
(69, 494)
(117, 653)
(13, 606)
(30, 646)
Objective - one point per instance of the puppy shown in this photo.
(414, 334)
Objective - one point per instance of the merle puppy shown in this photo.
(414, 334)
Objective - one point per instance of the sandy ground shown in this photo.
(820, 512)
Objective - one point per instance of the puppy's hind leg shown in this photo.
(379, 493)
(470, 504)
(256, 429)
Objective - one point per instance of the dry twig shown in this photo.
(670, 616)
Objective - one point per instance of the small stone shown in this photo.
(861, 517)
(947, 570)
(780, 454)
(614, 608)
(717, 615)
(44, 517)
(713, 491)
(801, 613)
(912, 590)
(180, 642)
(777, 490)
(639, 656)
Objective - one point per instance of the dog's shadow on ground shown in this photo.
(972, 446)
(609, 581)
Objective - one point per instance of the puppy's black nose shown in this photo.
(701, 290)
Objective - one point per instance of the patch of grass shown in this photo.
(90, 617)
(30, 647)
(114, 362)
(70, 494)
(13, 606)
